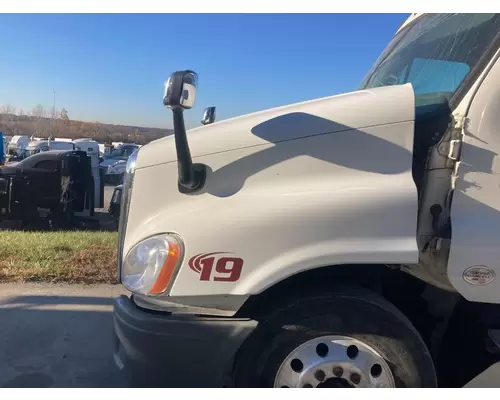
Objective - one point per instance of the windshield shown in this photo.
(17, 154)
(435, 54)
(30, 152)
(116, 153)
(123, 152)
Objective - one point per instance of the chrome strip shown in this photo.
(124, 207)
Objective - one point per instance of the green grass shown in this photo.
(73, 257)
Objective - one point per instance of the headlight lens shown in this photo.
(151, 264)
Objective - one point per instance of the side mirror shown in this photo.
(208, 116)
(180, 94)
(180, 90)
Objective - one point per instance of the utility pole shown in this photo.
(53, 119)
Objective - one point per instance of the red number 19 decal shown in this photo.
(227, 269)
(229, 266)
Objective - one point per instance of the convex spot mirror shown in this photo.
(208, 116)
(180, 90)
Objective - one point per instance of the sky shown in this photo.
(112, 68)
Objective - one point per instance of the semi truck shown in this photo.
(347, 241)
(50, 189)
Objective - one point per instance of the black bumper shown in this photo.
(169, 350)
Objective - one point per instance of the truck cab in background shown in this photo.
(16, 148)
(89, 146)
(39, 146)
(111, 165)
(348, 241)
(51, 189)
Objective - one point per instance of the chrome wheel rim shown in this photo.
(334, 362)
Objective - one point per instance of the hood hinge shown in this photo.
(451, 148)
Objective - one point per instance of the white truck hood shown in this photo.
(355, 110)
(321, 183)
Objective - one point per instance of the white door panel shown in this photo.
(475, 210)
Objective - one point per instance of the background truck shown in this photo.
(50, 188)
(18, 144)
(348, 241)
(111, 165)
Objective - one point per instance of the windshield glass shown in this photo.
(17, 154)
(435, 54)
(30, 152)
(122, 152)
(117, 153)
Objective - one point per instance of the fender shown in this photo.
(325, 187)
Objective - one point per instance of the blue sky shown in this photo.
(112, 68)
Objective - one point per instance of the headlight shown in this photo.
(151, 264)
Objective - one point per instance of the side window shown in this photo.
(402, 75)
(47, 164)
(436, 76)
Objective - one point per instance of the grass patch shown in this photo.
(72, 257)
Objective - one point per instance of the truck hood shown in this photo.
(355, 110)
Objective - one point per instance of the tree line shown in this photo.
(44, 122)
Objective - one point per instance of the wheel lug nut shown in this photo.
(338, 371)
(319, 375)
(355, 378)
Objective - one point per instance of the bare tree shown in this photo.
(61, 123)
(96, 128)
(76, 128)
(8, 119)
(7, 109)
(63, 116)
(38, 116)
(116, 137)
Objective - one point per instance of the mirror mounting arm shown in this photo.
(191, 176)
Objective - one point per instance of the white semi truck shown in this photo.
(348, 241)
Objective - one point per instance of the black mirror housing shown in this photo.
(180, 94)
(180, 90)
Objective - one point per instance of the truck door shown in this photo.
(76, 165)
(474, 260)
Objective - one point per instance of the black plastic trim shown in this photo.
(176, 350)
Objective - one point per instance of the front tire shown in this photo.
(347, 338)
